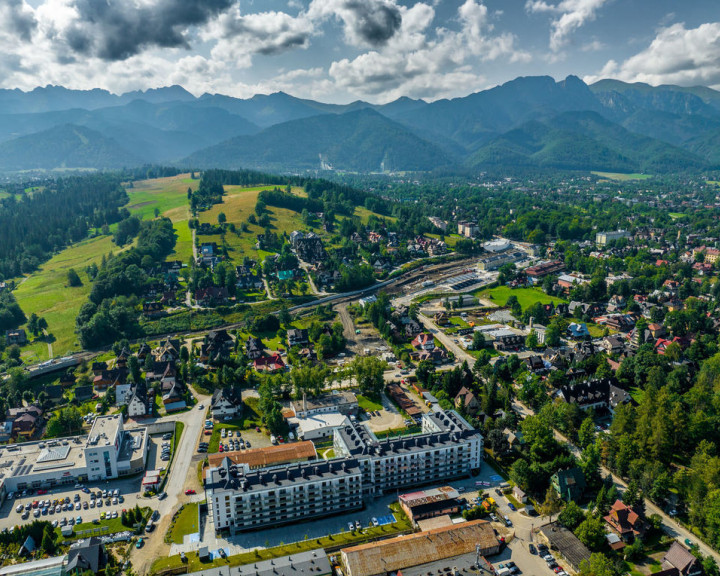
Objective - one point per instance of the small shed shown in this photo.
(204, 554)
(519, 494)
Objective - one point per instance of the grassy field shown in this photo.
(46, 293)
(677, 215)
(618, 176)
(526, 296)
(335, 540)
(368, 404)
(185, 523)
(169, 197)
(239, 203)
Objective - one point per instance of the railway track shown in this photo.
(429, 271)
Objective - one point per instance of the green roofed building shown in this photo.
(569, 484)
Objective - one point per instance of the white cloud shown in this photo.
(569, 16)
(677, 55)
(412, 64)
(241, 36)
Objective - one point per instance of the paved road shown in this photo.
(669, 524)
(435, 330)
(181, 468)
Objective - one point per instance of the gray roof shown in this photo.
(313, 562)
(565, 542)
(229, 476)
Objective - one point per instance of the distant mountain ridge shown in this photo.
(530, 122)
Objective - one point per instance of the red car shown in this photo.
(189, 491)
(42, 491)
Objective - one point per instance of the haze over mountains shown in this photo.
(530, 122)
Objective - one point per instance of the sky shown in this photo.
(345, 50)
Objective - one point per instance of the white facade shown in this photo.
(242, 500)
(319, 426)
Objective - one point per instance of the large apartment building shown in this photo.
(260, 498)
(448, 447)
(242, 499)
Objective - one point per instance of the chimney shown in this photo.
(305, 403)
(530, 325)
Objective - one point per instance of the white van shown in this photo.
(273, 440)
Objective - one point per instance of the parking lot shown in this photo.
(71, 497)
(155, 448)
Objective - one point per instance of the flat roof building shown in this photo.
(318, 426)
(395, 554)
(425, 504)
(242, 498)
(108, 452)
(565, 543)
(312, 562)
(337, 401)
(246, 500)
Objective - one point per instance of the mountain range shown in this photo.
(529, 122)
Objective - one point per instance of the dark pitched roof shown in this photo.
(680, 557)
(90, 555)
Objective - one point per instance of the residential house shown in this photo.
(625, 522)
(226, 402)
(216, 346)
(174, 399)
(152, 309)
(578, 330)
(613, 344)
(88, 556)
(138, 404)
(467, 399)
(535, 363)
(569, 484)
(211, 296)
(436, 356)
(423, 341)
(83, 393)
(168, 351)
(254, 348)
(273, 363)
(18, 336)
(682, 560)
(297, 337)
(657, 330)
(598, 393)
(68, 379)
(412, 328)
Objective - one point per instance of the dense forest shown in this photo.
(110, 314)
(38, 222)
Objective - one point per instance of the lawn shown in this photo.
(525, 296)
(331, 541)
(169, 197)
(46, 293)
(620, 177)
(368, 404)
(458, 321)
(186, 522)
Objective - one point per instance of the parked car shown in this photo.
(512, 506)
(162, 496)
(139, 543)
(189, 491)
(375, 522)
(532, 549)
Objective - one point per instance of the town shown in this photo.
(358, 396)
